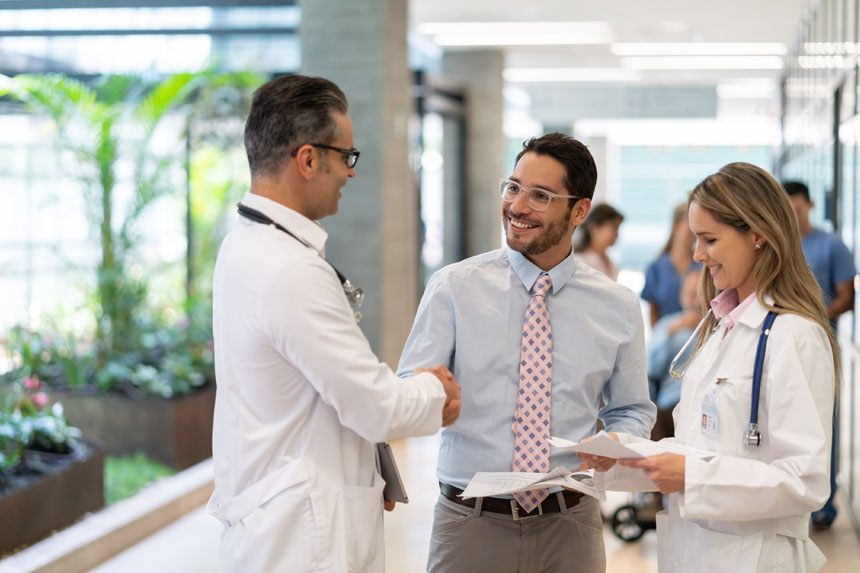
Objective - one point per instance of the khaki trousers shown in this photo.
(468, 540)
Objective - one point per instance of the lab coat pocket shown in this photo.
(709, 551)
(349, 523)
(735, 397)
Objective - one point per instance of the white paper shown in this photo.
(603, 445)
(600, 445)
(486, 484)
(649, 448)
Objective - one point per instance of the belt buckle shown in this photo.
(515, 511)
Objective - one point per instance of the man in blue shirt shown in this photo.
(833, 266)
(471, 319)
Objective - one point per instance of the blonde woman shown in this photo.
(748, 508)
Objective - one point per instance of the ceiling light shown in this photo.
(571, 75)
(516, 33)
(698, 49)
(703, 63)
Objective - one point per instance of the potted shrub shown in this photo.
(49, 477)
(157, 399)
(139, 383)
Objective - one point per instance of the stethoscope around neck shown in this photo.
(354, 294)
(752, 437)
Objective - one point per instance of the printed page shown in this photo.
(600, 445)
(603, 445)
(488, 484)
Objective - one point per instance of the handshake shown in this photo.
(451, 410)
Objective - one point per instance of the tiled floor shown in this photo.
(191, 544)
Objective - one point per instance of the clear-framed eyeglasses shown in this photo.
(537, 198)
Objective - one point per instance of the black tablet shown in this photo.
(394, 489)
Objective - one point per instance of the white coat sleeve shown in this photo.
(313, 327)
(792, 475)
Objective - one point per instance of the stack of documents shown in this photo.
(489, 484)
(604, 445)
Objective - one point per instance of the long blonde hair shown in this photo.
(746, 197)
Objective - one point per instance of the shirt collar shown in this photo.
(528, 272)
(309, 231)
(749, 312)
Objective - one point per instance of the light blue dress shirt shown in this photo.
(471, 319)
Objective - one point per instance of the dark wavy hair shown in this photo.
(581, 172)
(600, 213)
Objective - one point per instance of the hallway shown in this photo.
(191, 543)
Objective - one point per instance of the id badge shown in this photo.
(710, 414)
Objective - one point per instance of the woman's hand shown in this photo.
(665, 470)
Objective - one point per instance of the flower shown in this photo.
(40, 400)
(32, 383)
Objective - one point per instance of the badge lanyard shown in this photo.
(354, 294)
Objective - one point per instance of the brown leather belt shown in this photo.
(499, 505)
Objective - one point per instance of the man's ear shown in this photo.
(307, 161)
(580, 211)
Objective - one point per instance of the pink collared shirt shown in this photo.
(727, 309)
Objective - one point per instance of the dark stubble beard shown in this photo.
(550, 236)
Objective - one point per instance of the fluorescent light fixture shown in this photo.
(571, 75)
(516, 33)
(704, 132)
(702, 63)
(826, 62)
(698, 49)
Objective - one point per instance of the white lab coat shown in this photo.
(301, 402)
(747, 510)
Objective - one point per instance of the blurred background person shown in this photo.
(663, 276)
(598, 233)
(833, 266)
(667, 338)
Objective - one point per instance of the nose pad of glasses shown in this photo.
(521, 203)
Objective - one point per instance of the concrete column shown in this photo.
(599, 148)
(361, 46)
(480, 72)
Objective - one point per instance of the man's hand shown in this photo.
(388, 505)
(665, 470)
(599, 463)
(451, 410)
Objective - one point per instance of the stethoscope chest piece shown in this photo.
(752, 437)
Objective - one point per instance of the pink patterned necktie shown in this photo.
(531, 419)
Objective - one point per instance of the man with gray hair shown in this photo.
(301, 397)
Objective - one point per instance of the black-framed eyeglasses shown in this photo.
(537, 198)
(351, 155)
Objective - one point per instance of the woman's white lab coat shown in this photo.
(747, 510)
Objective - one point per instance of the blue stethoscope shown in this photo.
(752, 437)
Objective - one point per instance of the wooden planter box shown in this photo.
(176, 431)
(51, 501)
